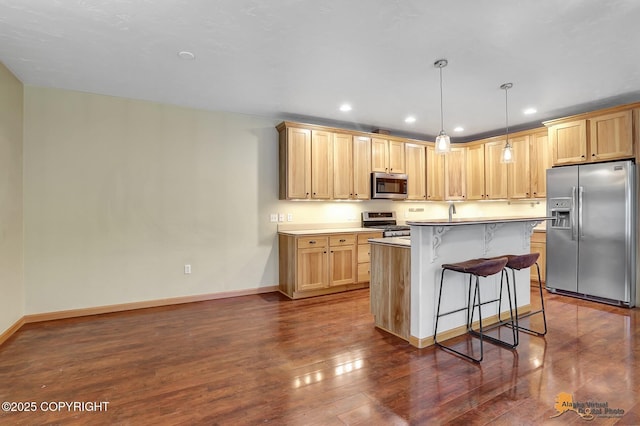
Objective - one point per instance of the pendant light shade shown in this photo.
(443, 142)
(507, 151)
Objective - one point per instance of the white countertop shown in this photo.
(327, 231)
(392, 241)
(475, 221)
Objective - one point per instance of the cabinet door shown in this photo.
(495, 172)
(569, 142)
(538, 245)
(342, 166)
(342, 265)
(540, 156)
(379, 155)
(298, 163)
(416, 158)
(361, 168)
(312, 269)
(518, 172)
(396, 157)
(475, 172)
(610, 136)
(454, 174)
(321, 165)
(435, 175)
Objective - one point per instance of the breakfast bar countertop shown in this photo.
(476, 220)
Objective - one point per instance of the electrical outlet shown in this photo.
(281, 217)
(187, 269)
(273, 217)
(289, 217)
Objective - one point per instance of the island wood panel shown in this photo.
(391, 288)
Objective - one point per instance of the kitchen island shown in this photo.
(405, 303)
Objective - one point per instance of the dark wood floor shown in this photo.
(320, 361)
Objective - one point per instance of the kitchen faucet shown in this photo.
(452, 211)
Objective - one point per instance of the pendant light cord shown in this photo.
(506, 110)
(441, 109)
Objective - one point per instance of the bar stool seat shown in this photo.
(476, 268)
(516, 263)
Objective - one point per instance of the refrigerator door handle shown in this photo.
(574, 227)
(580, 196)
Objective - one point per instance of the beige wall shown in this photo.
(121, 194)
(12, 292)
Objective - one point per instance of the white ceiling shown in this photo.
(300, 59)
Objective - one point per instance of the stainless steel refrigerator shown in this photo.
(591, 240)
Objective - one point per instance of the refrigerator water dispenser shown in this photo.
(560, 211)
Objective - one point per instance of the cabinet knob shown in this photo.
(593, 155)
(582, 156)
(342, 240)
(312, 242)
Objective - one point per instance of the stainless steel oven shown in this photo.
(385, 221)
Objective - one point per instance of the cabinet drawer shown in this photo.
(342, 240)
(308, 242)
(364, 237)
(364, 253)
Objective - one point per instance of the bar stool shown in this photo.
(516, 263)
(476, 268)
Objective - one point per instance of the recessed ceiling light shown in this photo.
(187, 56)
(459, 129)
(410, 119)
(345, 107)
(530, 111)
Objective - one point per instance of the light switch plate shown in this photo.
(273, 217)
(281, 217)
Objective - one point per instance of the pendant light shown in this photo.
(507, 151)
(443, 142)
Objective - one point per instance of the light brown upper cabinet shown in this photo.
(495, 172)
(321, 165)
(435, 175)
(295, 163)
(540, 156)
(602, 136)
(455, 182)
(387, 156)
(342, 166)
(518, 172)
(416, 158)
(361, 168)
(611, 136)
(475, 172)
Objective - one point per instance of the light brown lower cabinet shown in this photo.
(391, 289)
(316, 264)
(539, 245)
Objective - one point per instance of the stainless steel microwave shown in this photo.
(390, 186)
